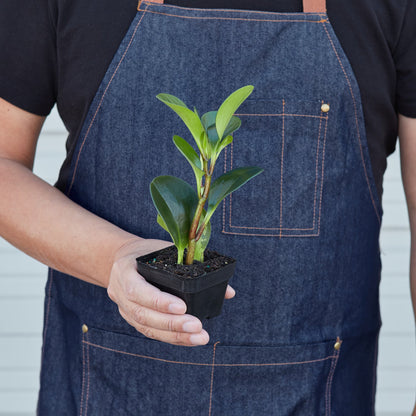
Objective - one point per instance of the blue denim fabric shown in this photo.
(305, 232)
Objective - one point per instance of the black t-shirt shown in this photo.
(58, 51)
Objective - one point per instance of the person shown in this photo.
(301, 336)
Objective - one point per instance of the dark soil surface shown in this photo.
(167, 258)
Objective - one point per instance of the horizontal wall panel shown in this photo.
(53, 124)
(18, 403)
(22, 286)
(21, 316)
(19, 380)
(397, 351)
(399, 265)
(16, 263)
(51, 146)
(394, 240)
(20, 353)
(394, 404)
(397, 380)
(397, 315)
(396, 286)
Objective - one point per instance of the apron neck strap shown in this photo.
(314, 6)
(309, 6)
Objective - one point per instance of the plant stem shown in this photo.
(180, 256)
(195, 222)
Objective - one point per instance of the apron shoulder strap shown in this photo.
(314, 6)
(309, 6)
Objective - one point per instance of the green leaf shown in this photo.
(162, 223)
(227, 183)
(206, 147)
(170, 99)
(224, 143)
(189, 117)
(233, 125)
(208, 121)
(191, 156)
(176, 202)
(229, 107)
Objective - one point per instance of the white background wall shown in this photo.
(22, 283)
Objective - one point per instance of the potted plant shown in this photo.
(187, 269)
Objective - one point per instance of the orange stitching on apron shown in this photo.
(237, 18)
(272, 235)
(101, 101)
(149, 2)
(236, 10)
(88, 377)
(281, 168)
(329, 357)
(81, 406)
(322, 175)
(356, 123)
(223, 202)
(231, 168)
(279, 115)
(316, 174)
(280, 229)
(329, 383)
(212, 379)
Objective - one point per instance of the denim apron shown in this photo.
(300, 338)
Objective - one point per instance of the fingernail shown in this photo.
(199, 339)
(177, 308)
(191, 326)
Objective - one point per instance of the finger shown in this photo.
(230, 292)
(162, 321)
(138, 291)
(175, 338)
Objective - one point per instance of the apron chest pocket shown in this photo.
(287, 139)
(127, 375)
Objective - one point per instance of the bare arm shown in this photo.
(407, 137)
(41, 221)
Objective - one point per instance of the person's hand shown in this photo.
(156, 314)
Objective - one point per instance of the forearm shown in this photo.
(407, 136)
(41, 221)
(412, 217)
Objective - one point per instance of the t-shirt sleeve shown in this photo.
(405, 59)
(27, 55)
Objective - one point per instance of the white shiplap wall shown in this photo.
(22, 283)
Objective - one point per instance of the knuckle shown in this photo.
(156, 302)
(116, 268)
(178, 338)
(140, 315)
(170, 325)
(130, 291)
(148, 332)
(111, 292)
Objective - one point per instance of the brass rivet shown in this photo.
(325, 108)
(84, 329)
(337, 345)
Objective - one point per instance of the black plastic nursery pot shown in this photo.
(203, 290)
